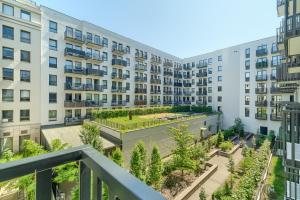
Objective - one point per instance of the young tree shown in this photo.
(136, 164)
(183, 152)
(57, 145)
(220, 138)
(239, 127)
(230, 168)
(154, 175)
(90, 134)
(117, 156)
(143, 155)
(202, 194)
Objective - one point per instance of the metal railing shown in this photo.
(121, 184)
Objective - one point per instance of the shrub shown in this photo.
(226, 146)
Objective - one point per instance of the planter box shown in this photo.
(232, 151)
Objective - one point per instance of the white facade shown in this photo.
(64, 90)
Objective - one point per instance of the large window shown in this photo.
(24, 95)
(247, 53)
(247, 64)
(219, 68)
(7, 95)
(6, 143)
(8, 32)
(25, 75)
(247, 76)
(25, 56)
(52, 44)
(8, 10)
(7, 115)
(24, 115)
(52, 80)
(25, 15)
(52, 115)
(105, 42)
(7, 53)
(25, 37)
(52, 97)
(219, 78)
(7, 74)
(220, 58)
(52, 26)
(52, 62)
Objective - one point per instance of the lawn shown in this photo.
(276, 177)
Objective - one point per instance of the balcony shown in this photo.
(155, 60)
(247, 102)
(284, 73)
(187, 93)
(187, 76)
(168, 83)
(140, 90)
(185, 67)
(120, 183)
(262, 64)
(167, 103)
(94, 72)
(202, 74)
(91, 103)
(140, 57)
(187, 84)
(74, 52)
(116, 76)
(176, 75)
(202, 65)
(274, 103)
(261, 116)
(201, 103)
(74, 104)
(261, 103)
(140, 79)
(187, 102)
(168, 73)
(95, 57)
(155, 91)
(168, 64)
(93, 42)
(247, 91)
(83, 87)
(275, 117)
(177, 84)
(280, 8)
(201, 93)
(119, 62)
(155, 102)
(155, 81)
(261, 52)
(118, 103)
(141, 67)
(155, 71)
(119, 50)
(168, 92)
(261, 90)
(140, 102)
(118, 89)
(261, 77)
(73, 37)
(201, 83)
(74, 70)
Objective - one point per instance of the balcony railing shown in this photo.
(187, 93)
(120, 183)
(166, 102)
(168, 83)
(168, 64)
(168, 92)
(203, 103)
(119, 76)
(261, 52)
(140, 102)
(141, 57)
(178, 84)
(168, 73)
(119, 62)
(73, 37)
(74, 52)
(118, 89)
(155, 71)
(187, 84)
(261, 90)
(83, 87)
(275, 117)
(155, 60)
(83, 71)
(92, 41)
(141, 67)
(177, 75)
(283, 75)
(201, 65)
(261, 116)
(155, 81)
(201, 83)
(177, 92)
(274, 103)
(201, 93)
(119, 50)
(155, 102)
(155, 91)
(203, 74)
(186, 76)
(262, 64)
(261, 77)
(140, 79)
(261, 103)
(140, 90)
(118, 103)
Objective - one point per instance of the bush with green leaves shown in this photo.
(90, 134)
(226, 146)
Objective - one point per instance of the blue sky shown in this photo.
(183, 28)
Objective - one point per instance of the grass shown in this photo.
(276, 177)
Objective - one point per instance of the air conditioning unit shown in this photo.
(4, 120)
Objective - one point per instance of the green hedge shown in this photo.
(111, 113)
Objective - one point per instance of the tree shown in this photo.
(90, 134)
(220, 138)
(238, 127)
(182, 153)
(230, 168)
(143, 155)
(136, 164)
(202, 194)
(7, 155)
(154, 175)
(117, 156)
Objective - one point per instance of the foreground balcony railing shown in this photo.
(121, 184)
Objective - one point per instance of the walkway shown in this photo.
(219, 177)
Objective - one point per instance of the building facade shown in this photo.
(76, 66)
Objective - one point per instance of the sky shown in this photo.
(183, 28)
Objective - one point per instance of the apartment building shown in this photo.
(20, 82)
(76, 66)
(288, 40)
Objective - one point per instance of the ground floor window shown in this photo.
(6, 143)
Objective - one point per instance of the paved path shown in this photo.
(219, 177)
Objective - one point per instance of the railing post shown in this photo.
(43, 184)
(97, 188)
(84, 182)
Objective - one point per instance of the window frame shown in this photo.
(25, 13)
(8, 57)
(24, 99)
(22, 56)
(7, 36)
(25, 40)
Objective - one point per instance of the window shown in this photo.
(247, 64)
(219, 99)
(247, 112)
(104, 98)
(68, 113)
(7, 32)
(24, 95)
(7, 95)
(52, 115)
(209, 89)
(219, 68)
(25, 15)
(52, 44)
(247, 53)
(25, 75)
(7, 53)
(25, 56)
(52, 97)
(52, 80)
(247, 76)
(7, 74)
(104, 56)
(8, 10)
(105, 42)
(219, 88)
(6, 143)
(52, 26)
(24, 115)
(209, 80)
(52, 62)
(209, 70)
(25, 37)
(219, 78)
(78, 113)
(97, 39)
(209, 99)
(219, 58)
(7, 115)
